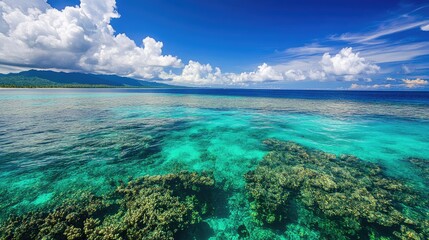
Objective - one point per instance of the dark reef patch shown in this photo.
(151, 207)
(341, 197)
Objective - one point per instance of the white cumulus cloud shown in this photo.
(195, 73)
(347, 63)
(76, 38)
(407, 83)
(413, 83)
(263, 73)
(356, 86)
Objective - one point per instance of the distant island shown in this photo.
(50, 79)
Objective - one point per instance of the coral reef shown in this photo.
(293, 193)
(65, 222)
(343, 197)
(151, 207)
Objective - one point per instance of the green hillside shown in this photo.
(50, 79)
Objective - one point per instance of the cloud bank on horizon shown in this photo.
(34, 35)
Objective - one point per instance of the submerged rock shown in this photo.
(342, 197)
(151, 207)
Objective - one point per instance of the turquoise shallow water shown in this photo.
(56, 142)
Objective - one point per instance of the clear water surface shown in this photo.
(54, 142)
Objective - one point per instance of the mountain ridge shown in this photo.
(46, 79)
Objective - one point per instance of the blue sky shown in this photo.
(370, 45)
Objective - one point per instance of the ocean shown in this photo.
(56, 144)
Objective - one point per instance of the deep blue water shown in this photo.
(417, 97)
